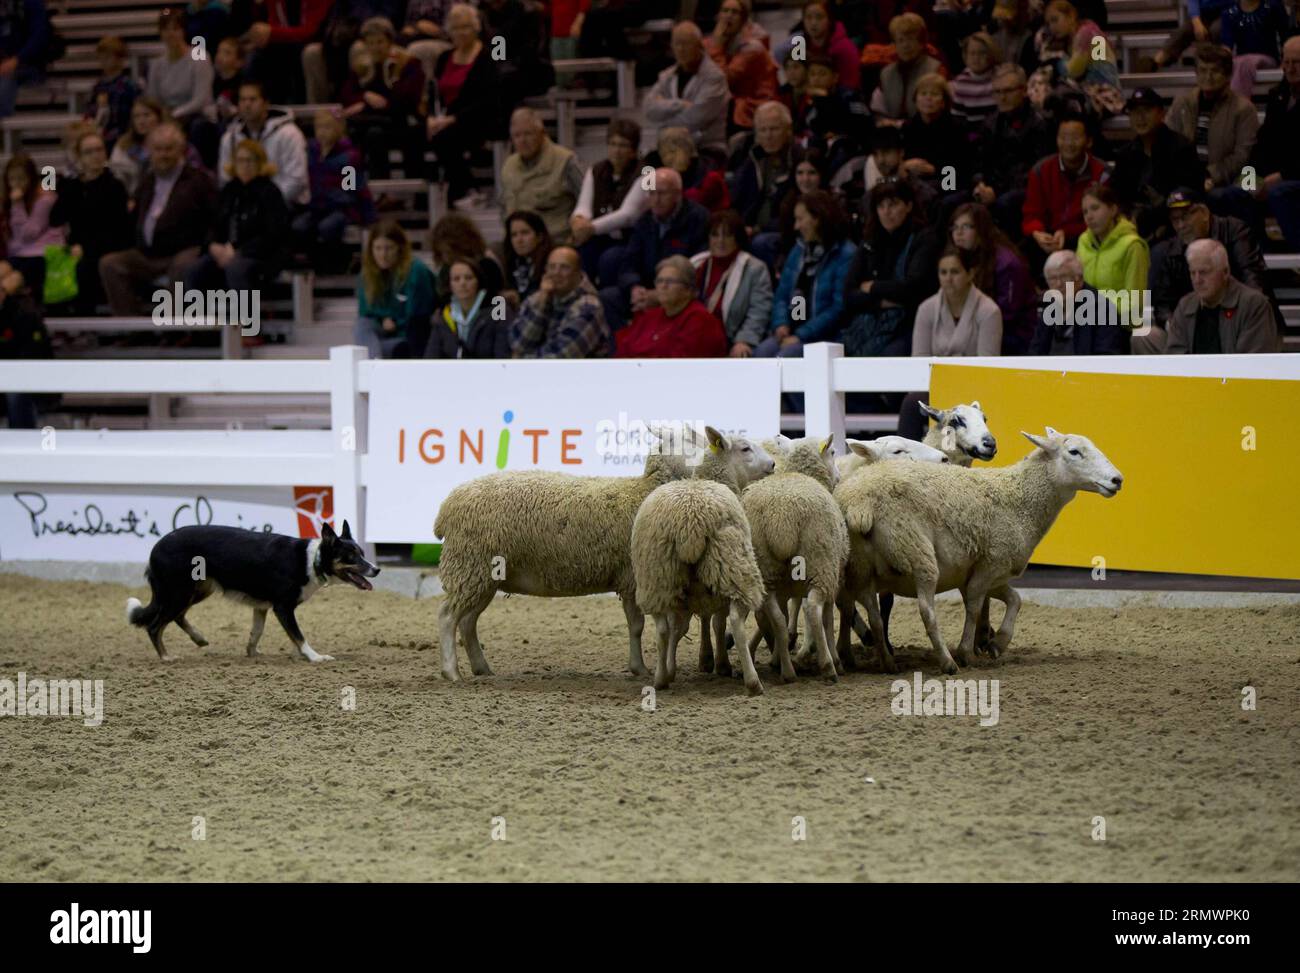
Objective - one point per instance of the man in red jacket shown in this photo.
(1053, 211)
(276, 39)
(679, 326)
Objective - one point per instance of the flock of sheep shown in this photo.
(722, 528)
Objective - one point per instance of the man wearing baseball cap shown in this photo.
(1169, 279)
(1153, 164)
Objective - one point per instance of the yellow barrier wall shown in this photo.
(1194, 500)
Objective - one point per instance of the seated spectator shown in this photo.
(455, 237)
(227, 76)
(527, 245)
(1053, 210)
(1221, 315)
(394, 296)
(1064, 274)
(935, 143)
(672, 225)
(793, 93)
(528, 71)
(328, 54)
(691, 92)
(1011, 143)
(892, 272)
(22, 336)
(129, 160)
(1114, 257)
(246, 244)
(336, 202)
(209, 19)
(836, 117)
(25, 35)
(612, 197)
(1153, 164)
(174, 207)
(764, 176)
(677, 325)
(1276, 161)
(114, 91)
(1012, 33)
(960, 319)
(895, 97)
(464, 106)
(740, 47)
(823, 34)
(1254, 30)
(998, 270)
(539, 175)
(1202, 25)
(275, 45)
(422, 32)
(809, 176)
(467, 326)
(1069, 46)
(280, 137)
(1169, 281)
(733, 284)
(385, 102)
(701, 182)
(566, 17)
(1223, 126)
(808, 304)
(972, 89)
(92, 204)
(27, 229)
(563, 319)
(184, 84)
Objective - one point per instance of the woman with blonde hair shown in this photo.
(394, 295)
(934, 139)
(131, 150)
(246, 245)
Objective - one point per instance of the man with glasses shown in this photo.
(672, 225)
(564, 318)
(1223, 126)
(1276, 159)
(1152, 165)
(1010, 143)
(678, 326)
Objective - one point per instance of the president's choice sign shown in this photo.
(428, 435)
(111, 523)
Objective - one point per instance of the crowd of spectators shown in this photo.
(903, 177)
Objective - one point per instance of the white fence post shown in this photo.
(348, 435)
(823, 407)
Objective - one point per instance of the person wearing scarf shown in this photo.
(466, 326)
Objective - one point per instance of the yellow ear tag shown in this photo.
(713, 447)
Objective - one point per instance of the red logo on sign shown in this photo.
(315, 505)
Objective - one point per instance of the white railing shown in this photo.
(337, 456)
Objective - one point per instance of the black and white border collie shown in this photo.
(267, 571)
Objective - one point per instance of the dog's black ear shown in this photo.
(347, 532)
(327, 534)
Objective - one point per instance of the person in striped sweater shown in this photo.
(972, 89)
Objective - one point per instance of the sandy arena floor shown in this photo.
(1134, 715)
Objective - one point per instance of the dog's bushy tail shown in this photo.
(138, 614)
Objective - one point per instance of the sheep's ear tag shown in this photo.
(713, 447)
(827, 443)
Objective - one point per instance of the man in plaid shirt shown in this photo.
(564, 319)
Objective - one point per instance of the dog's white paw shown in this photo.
(323, 658)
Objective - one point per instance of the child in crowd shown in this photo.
(227, 76)
(972, 90)
(27, 230)
(114, 93)
(792, 93)
(337, 201)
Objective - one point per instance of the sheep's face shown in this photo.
(893, 448)
(1078, 464)
(748, 459)
(963, 430)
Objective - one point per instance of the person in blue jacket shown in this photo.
(809, 301)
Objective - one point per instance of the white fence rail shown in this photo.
(337, 457)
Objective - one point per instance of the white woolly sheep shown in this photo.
(546, 534)
(921, 528)
(692, 555)
(962, 433)
(801, 544)
(867, 452)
